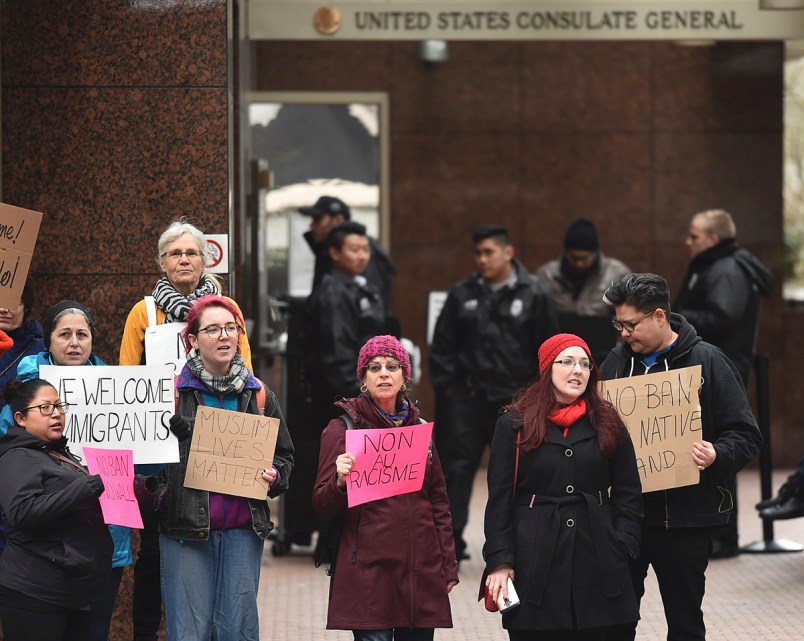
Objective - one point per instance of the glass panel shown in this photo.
(313, 150)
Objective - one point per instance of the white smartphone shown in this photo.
(511, 602)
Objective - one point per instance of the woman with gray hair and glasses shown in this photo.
(153, 327)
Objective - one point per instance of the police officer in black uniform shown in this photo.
(484, 349)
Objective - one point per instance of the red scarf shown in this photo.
(566, 416)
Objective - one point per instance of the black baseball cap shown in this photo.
(327, 205)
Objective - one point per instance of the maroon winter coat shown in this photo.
(396, 555)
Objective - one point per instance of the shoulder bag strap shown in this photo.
(150, 308)
(60, 457)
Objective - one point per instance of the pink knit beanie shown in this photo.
(383, 346)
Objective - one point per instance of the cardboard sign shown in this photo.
(663, 416)
(116, 468)
(18, 231)
(229, 451)
(388, 462)
(163, 346)
(118, 407)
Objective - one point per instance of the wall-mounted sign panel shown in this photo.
(569, 20)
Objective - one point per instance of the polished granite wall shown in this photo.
(114, 123)
(637, 136)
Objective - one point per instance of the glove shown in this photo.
(179, 427)
(95, 483)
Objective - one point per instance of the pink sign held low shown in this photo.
(389, 461)
(116, 468)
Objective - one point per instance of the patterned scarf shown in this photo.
(177, 305)
(232, 382)
(398, 419)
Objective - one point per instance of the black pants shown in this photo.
(102, 615)
(24, 620)
(395, 634)
(679, 558)
(591, 634)
(464, 425)
(147, 597)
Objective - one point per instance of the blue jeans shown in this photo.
(210, 587)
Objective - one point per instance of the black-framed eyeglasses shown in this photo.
(176, 254)
(630, 326)
(570, 363)
(214, 331)
(47, 409)
(376, 368)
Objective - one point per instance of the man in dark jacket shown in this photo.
(326, 213)
(485, 348)
(679, 523)
(721, 298)
(342, 313)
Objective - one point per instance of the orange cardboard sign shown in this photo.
(18, 231)
(229, 451)
(662, 412)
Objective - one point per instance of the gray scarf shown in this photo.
(232, 382)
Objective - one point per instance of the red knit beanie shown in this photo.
(554, 345)
(5, 343)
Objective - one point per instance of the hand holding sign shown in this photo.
(386, 462)
(343, 467)
(704, 454)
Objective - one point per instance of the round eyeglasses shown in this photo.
(214, 331)
(376, 368)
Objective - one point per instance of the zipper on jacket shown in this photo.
(357, 531)
(666, 513)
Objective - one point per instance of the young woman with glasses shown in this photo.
(565, 504)
(211, 544)
(56, 565)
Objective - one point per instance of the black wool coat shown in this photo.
(566, 534)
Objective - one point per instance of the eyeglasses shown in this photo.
(214, 331)
(176, 254)
(47, 409)
(376, 368)
(570, 363)
(630, 325)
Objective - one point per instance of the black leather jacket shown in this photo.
(183, 511)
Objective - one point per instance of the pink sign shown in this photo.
(389, 461)
(116, 468)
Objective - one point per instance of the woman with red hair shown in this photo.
(565, 503)
(211, 544)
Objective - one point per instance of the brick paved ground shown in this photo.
(749, 598)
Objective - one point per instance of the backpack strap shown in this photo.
(350, 424)
(262, 397)
(150, 309)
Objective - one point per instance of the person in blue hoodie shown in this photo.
(26, 333)
(68, 334)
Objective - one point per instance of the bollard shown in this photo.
(768, 544)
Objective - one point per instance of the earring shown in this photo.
(363, 389)
(404, 388)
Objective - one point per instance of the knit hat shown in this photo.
(383, 346)
(554, 345)
(581, 234)
(6, 343)
(55, 310)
